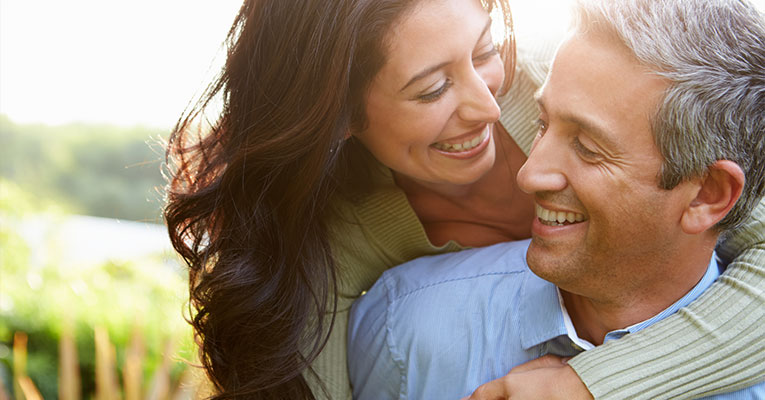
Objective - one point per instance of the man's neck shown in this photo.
(594, 316)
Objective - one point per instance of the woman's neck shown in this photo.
(485, 212)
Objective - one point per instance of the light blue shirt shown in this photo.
(438, 327)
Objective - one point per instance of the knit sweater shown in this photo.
(721, 335)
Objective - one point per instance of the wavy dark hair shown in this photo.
(249, 194)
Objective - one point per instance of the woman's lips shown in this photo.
(472, 144)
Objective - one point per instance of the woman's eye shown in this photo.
(436, 94)
(541, 126)
(485, 56)
(583, 150)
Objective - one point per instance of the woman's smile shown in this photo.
(465, 146)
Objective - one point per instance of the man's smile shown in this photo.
(557, 218)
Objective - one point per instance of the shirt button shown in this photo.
(363, 292)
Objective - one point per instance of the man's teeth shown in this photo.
(557, 218)
(464, 146)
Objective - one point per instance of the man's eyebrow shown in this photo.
(586, 124)
(430, 70)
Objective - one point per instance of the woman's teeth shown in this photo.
(464, 146)
(557, 218)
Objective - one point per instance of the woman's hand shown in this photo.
(547, 377)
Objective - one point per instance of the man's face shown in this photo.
(601, 219)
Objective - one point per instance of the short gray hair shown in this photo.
(713, 54)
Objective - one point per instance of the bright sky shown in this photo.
(121, 62)
(139, 61)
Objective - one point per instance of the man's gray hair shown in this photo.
(713, 53)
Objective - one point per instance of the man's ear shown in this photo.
(718, 192)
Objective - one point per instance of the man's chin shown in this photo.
(552, 264)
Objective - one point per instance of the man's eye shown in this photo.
(436, 94)
(583, 150)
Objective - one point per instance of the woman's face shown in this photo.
(431, 107)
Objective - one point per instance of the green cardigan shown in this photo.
(721, 335)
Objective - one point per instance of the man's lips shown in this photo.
(558, 218)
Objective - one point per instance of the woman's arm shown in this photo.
(717, 344)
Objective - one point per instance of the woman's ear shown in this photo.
(719, 190)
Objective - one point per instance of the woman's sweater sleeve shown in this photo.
(716, 344)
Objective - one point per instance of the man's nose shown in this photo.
(544, 170)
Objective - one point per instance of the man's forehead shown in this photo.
(596, 82)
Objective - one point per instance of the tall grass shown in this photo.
(189, 385)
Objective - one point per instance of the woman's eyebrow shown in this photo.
(424, 73)
(434, 68)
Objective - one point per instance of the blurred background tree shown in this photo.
(88, 169)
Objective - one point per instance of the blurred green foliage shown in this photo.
(146, 294)
(96, 170)
(99, 170)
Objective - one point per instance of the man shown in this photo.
(650, 146)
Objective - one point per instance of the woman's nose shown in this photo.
(478, 101)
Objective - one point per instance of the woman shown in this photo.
(324, 168)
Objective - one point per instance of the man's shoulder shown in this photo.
(476, 263)
(418, 287)
(449, 310)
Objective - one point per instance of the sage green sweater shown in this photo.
(716, 344)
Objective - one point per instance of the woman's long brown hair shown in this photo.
(248, 195)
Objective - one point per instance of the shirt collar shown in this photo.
(541, 319)
(543, 315)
